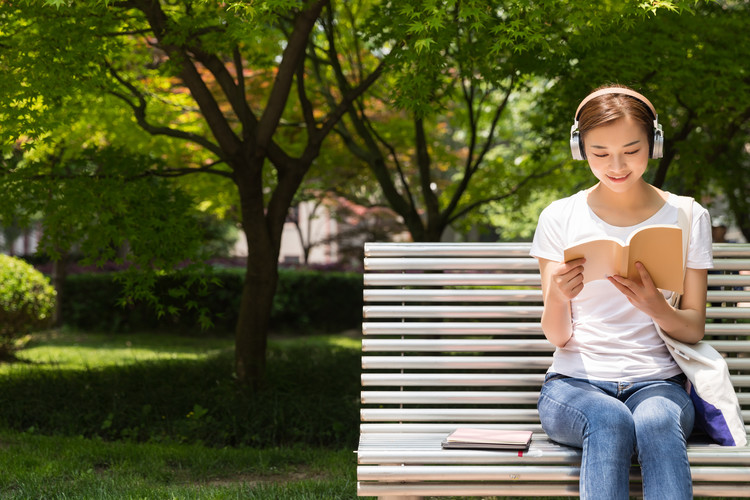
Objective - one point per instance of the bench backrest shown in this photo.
(452, 334)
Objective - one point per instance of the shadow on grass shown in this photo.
(310, 397)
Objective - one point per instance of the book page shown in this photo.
(604, 257)
(659, 248)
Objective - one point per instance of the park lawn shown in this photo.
(49, 467)
(37, 465)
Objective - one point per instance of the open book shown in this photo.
(488, 439)
(657, 247)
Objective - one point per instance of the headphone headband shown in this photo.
(616, 90)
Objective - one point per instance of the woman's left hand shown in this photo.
(644, 295)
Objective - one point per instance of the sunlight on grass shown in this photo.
(59, 349)
(62, 349)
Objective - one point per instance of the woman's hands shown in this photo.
(643, 295)
(686, 323)
(561, 281)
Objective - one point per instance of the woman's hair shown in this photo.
(607, 108)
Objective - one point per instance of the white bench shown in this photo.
(452, 337)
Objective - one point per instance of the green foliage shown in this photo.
(305, 301)
(27, 301)
(310, 396)
(687, 66)
(532, 35)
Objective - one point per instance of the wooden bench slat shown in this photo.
(411, 428)
(484, 362)
(502, 328)
(442, 311)
(430, 295)
(476, 379)
(466, 397)
(446, 263)
(452, 379)
(456, 345)
(454, 328)
(531, 295)
(449, 397)
(454, 362)
(496, 279)
(500, 345)
(375, 249)
(452, 279)
(407, 490)
(516, 472)
(449, 415)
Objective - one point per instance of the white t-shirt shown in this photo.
(612, 339)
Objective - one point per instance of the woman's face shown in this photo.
(617, 153)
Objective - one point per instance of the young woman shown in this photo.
(613, 389)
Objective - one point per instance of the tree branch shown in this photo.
(139, 111)
(515, 189)
(294, 51)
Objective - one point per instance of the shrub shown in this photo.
(27, 301)
(305, 301)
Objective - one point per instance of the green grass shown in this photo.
(61, 350)
(102, 416)
(63, 468)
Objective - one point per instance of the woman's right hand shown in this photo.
(561, 281)
(564, 279)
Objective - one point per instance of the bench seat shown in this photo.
(452, 338)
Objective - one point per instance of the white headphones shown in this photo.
(576, 146)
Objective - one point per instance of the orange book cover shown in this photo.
(657, 247)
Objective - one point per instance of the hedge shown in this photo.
(306, 301)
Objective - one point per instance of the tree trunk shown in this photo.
(261, 278)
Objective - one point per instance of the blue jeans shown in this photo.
(613, 421)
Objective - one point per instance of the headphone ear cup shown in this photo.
(658, 150)
(575, 143)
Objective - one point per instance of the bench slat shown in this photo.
(475, 379)
(516, 473)
(449, 415)
(449, 397)
(430, 295)
(452, 279)
(442, 311)
(466, 397)
(502, 328)
(531, 295)
(455, 362)
(733, 490)
(446, 263)
(453, 379)
(456, 345)
(375, 249)
(484, 362)
(500, 345)
(453, 328)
